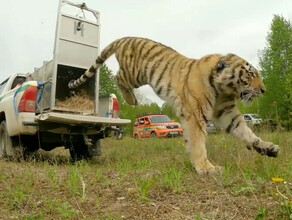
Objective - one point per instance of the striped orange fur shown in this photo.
(200, 90)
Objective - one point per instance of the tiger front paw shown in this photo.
(206, 167)
(265, 148)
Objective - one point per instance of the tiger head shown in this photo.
(235, 76)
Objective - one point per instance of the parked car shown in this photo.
(252, 119)
(156, 125)
(270, 125)
(211, 128)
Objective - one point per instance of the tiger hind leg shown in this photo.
(127, 92)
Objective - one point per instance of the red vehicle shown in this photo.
(155, 125)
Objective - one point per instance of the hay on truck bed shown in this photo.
(83, 104)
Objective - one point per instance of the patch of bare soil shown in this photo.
(206, 200)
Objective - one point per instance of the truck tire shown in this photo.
(2, 143)
(6, 143)
(79, 152)
(95, 149)
(29, 145)
(119, 135)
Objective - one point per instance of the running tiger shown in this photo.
(199, 90)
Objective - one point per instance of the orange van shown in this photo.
(155, 125)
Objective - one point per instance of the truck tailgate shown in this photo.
(76, 119)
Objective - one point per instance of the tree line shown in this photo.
(275, 65)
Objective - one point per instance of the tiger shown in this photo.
(200, 91)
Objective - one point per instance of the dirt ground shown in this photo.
(147, 180)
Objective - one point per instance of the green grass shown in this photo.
(150, 179)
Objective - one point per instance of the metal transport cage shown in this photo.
(76, 47)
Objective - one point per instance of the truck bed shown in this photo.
(76, 119)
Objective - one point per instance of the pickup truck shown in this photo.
(25, 127)
(38, 110)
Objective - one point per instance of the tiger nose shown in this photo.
(263, 91)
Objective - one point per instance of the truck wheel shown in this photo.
(6, 146)
(2, 143)
(118, 136)
(95, 149)
(29, 145)
(136, 136)
(79, 152)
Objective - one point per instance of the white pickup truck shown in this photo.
(38, 110)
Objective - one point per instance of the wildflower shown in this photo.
(277, 180)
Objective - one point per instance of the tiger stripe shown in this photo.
(144, 61)
(153, 66)
(171, 68)
(140, 59)
(168, 68)
(134, 63)
(128, 60)
(166, 65)
(231, 125)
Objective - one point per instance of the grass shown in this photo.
(150, 179)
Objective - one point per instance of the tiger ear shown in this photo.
(221, 65)
(246, 67)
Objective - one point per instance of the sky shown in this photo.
(194, 28)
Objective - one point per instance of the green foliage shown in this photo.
(173, 179)
(107, 83)
(167, 109)
(76, 183)
(65, 210)
(253, 108)
(276, 66)
(143, 187)
(159, 179)
(286, 207)
(33, 218)
(18, 197)
(263, 213)
(124, 166)
(53, 177)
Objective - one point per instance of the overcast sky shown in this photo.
(192, 27)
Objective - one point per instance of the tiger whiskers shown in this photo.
(247, 97)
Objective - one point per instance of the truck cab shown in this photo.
(11, 82)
